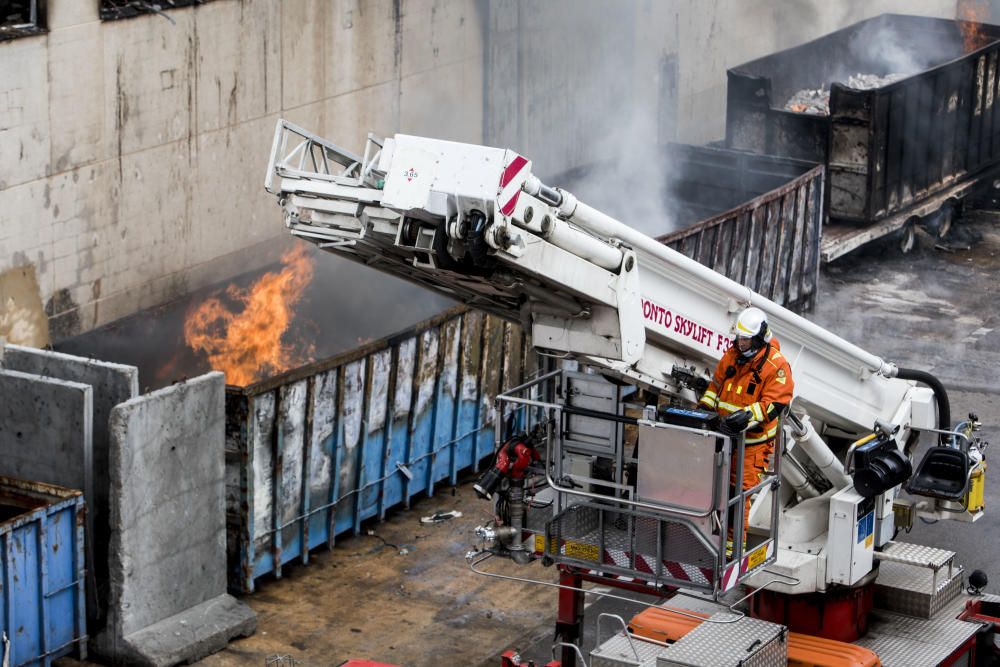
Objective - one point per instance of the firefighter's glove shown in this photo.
(736, 422)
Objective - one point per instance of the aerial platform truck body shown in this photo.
(621, 318)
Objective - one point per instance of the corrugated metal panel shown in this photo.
(314, 453)
(770, 244)
(43, 603)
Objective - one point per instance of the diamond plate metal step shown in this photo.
(916, 580)
(915, 554)
(618, 652)
(730, 641)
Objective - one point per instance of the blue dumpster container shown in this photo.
(43, 604)
(314, 452)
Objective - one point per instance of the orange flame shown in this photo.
(799, 108)
(245, 341)
(973, 13)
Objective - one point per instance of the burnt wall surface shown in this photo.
(134, 149)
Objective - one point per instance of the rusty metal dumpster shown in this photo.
(917, 132)
(770, 241)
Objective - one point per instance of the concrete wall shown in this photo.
(573, 81)
(133, 151)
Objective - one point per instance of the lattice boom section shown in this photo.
(631, 543)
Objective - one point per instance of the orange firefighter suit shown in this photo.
(761, 385)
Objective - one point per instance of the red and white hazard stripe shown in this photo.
(647, 564)
(514, 174)
(761, 554)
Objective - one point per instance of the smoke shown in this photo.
(631, 185)
(885, 50)
(594, 106)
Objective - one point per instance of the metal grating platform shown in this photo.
(632, 544)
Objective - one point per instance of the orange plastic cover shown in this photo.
(664, 624)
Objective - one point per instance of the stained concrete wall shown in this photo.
(133, 151)
(571, 82)
(168, 544)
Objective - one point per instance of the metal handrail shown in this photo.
(621, 620)
(576, 648)
(473, 559)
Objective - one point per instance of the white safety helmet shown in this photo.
(752, 331)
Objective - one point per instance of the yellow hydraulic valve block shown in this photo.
(975, 498)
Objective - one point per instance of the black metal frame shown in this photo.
(34, 25)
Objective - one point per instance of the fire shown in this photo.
(973, 13)
(242, 333)
(798, 108)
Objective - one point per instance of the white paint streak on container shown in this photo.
(404, 378)
(263, 467)
(427, 371)
(378, 394)
(292, 422)
(324, 420)
(449, 374)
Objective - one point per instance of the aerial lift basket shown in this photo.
(672, 525)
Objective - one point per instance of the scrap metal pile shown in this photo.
(817, 100)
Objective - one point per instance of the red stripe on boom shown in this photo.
(509, 207)
(511, 171)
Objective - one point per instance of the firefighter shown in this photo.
(750, 389)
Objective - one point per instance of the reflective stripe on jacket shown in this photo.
(762, 385)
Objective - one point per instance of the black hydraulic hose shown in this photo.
(940, 394)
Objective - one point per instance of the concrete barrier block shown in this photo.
(46, 430)
(112, 384)
(167, 558)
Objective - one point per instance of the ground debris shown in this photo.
(816, 101)
(438, 517)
